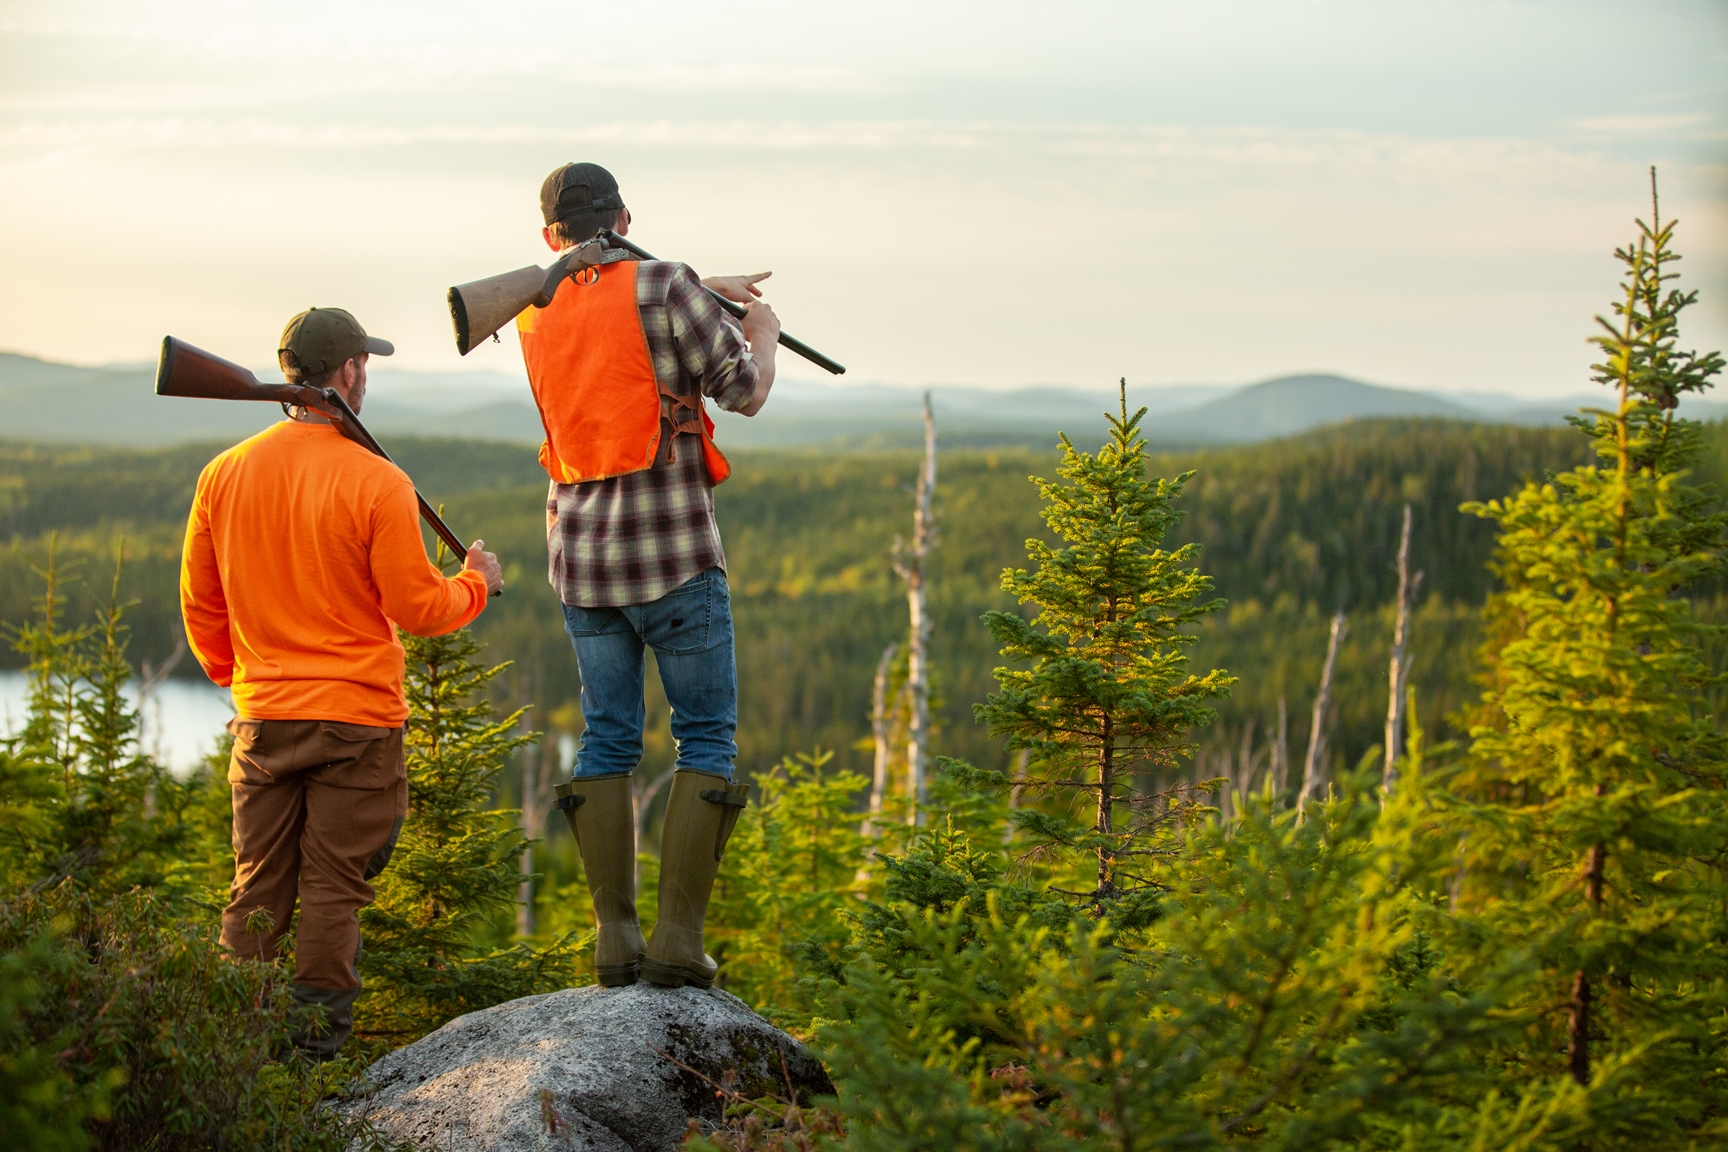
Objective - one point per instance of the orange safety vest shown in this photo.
(603, 408)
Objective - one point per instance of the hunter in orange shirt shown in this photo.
(303, 555)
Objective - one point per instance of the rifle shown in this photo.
(184, 370)
(481, 307)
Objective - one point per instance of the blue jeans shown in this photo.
(690, 630)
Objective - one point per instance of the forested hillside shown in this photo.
(1289, 531)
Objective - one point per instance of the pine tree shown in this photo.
(1108, 700)
(455, 867)
(1603, 817)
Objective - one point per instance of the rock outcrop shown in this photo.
(577, 1071)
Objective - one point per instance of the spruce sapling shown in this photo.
(455, 867)
(1108, 700)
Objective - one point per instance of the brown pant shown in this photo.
(315, 802)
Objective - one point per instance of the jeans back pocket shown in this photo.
(682, 621)
(579, 621)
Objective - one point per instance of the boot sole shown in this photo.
(618, 975)
(673, 975)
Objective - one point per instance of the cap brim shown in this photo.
(379, 347)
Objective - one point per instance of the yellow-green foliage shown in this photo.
(1523, 948)
(788, 882)
(1596, 821)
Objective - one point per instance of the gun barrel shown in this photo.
(792, 343)
(357, 432)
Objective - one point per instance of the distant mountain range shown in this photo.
(116, 404)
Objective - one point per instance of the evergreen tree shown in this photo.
(1108, 700)
(455, 867)
(105, 814)
(1601, 822)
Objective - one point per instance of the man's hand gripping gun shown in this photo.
(479, 308)
(184, 370)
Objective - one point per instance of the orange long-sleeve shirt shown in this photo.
(302, 554)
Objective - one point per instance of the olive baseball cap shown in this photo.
(578, 190)
(321, 338)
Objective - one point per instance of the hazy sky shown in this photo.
(993, 193)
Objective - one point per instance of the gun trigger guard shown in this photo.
(586, 276)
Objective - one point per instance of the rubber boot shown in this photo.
(323, 1018)
(699, 819)
(603, 818)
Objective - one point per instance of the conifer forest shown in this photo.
(1361, 790)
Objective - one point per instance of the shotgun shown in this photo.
(481, 307)
(184, 370)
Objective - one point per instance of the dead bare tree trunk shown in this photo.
(1399, 673)
(150, 680)
(1313, 768)
(911, 564)
(642, 800)
(879, 733)
(1242, 781)
(540, 771)
(532, 819)
(1281, 750)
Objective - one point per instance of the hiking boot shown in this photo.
(603, 818)
(699, 819)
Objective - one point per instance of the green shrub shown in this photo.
(126, 1027)
(787, 884)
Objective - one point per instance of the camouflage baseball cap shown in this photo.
(321, 338)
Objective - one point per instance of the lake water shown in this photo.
(181, 725)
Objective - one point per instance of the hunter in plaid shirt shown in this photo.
(636, 558)
(633, 538)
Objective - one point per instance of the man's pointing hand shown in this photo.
(739, 288)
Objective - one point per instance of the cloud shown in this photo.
(992, 196)
(1267, 149)
(1686, 125)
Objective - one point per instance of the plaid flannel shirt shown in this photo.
(631, 539)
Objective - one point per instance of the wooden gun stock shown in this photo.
(184, 370)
